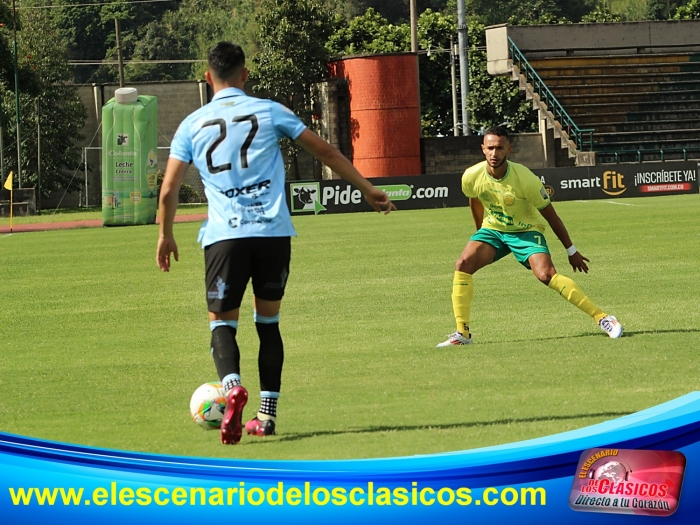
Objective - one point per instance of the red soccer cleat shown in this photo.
(256, 427)
(231, 424)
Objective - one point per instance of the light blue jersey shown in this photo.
(234, 143)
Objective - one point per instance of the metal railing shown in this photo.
(583, 138)
(639, 154)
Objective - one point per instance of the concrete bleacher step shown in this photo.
(641, 102)
(676, 96)
(636, 107)
(666, 134)
(580, 72)
(593, 120)
(627, 78)
(656, 61)
(621, 88)
(612, 60)
(642, 105)
(646, 145)
(634, 156)
(640, 126)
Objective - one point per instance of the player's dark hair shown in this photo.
(225, 59)
(499, 131)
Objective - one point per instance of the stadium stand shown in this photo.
(642, 107)
(623, 92)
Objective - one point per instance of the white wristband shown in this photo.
(571, 250)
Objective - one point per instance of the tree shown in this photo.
(162, 41)
(188, 34)
(369, 33)
(435, 33)
(84, 33)
(292, 56)
(398, 11)
(690, 11)
(491, 12)
(90, 32)
(6, 63)
(210, 21)
(601, 14)
(661, 9)
(494, 100)
(60, 115)
(372, 33)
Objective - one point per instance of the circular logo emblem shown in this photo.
(508, 199)
(613, 471)
(549, 190)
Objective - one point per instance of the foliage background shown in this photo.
(288, 43)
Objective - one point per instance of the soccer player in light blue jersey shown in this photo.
(234, 143)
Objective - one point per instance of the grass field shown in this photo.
(84, 214)
(100, 348)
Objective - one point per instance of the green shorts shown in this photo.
(521, 244)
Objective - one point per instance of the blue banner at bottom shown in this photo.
(526, 482)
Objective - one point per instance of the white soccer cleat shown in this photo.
(611, 326)
(456, 339)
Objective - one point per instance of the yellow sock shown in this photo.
(570, 291)
(462, 293)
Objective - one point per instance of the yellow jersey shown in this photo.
(512, 203)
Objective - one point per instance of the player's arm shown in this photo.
(477, 209)
(576, 260)
(336, 161)
(169, 190)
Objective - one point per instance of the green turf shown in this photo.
(83, 214)
(100, 348)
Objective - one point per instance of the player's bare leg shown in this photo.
(475, 256)
(543, 267)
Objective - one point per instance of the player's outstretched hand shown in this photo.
(578, 262)
(379, 200)
(166, 246)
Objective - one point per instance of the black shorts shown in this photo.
(229, 265)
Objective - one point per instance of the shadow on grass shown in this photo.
(601, 334)
(651, 332)
(446, 426)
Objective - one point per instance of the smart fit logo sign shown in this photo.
(613, 183)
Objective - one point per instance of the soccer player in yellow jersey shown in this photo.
(508, 204)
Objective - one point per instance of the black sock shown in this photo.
(224, 350)
(270, 357)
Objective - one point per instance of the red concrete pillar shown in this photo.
(384, 113)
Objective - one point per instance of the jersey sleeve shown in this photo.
(468, 185)
(286, 123)
(181, 146)
(535, 192)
